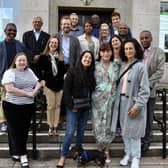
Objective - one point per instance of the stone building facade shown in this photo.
(138, 14)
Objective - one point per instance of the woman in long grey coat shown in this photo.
(130, 105)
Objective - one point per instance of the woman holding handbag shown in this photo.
(130, 104)
(79, 84)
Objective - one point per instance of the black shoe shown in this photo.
(59, 166)
(145, 147)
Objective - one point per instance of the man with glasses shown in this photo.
(9, 47)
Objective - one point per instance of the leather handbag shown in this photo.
(82, 103)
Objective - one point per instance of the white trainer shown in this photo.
(125, 160)
(135, 163)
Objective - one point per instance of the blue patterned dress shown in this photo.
(102, 102)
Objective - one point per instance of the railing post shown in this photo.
(34, 151)
(164, 123)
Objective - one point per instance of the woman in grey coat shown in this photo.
(130, 106)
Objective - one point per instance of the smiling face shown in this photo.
(115, 42)
(21, 62)
(145, 39)
(74, 20)
(65, 25)
(37, 23)
(115, 21)
(88, 28)
(53, 45)
(86, 60)
(104, 30)
(106, 55)
(129, 50)
(10, 32)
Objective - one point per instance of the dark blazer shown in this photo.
(54, 83)
(35, 47)
(74, 49)
(74, 87)
(3, 55)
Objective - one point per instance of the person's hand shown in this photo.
(43, 83)
(30, 94)
(65, 75)
(133, 112)
(74, 110)
(36, 58)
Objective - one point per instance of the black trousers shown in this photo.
(149, 123)
(18, 120)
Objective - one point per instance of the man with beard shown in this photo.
(70, 49)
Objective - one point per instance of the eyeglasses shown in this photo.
(14, 30)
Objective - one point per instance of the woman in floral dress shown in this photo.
(103, 97)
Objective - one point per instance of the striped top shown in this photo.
(25, 80)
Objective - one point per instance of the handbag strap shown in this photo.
(118, 80)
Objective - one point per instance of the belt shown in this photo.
(122, 94)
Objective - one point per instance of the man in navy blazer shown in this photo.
(35, 41)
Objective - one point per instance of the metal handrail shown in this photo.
(162, 123)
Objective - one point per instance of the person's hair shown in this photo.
(59, 50)
(34, 18)
(10, 24)
(13, 65)
(115, 14)
(137, 46)
(86, 75)
(88, 21)
(73, 14)
(105, 47)
(115, 36)
(66, 17)
(146, 31)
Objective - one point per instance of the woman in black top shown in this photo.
(79, 83)
(51, 74)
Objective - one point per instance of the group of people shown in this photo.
(102, 64)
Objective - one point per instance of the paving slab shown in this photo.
(146, 162)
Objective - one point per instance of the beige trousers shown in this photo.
(2, 96)
(53, 106)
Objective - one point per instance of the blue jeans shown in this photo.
(74, 121)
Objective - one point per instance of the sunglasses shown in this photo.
(14, 30)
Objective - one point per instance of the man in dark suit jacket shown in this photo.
(35, 40)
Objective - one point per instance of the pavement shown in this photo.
(146, 162)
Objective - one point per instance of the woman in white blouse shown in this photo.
(88, 41)
(21, 86)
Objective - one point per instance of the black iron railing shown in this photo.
(162, 122)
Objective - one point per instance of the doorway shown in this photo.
(85, 13)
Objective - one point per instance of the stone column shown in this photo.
(146, 16)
